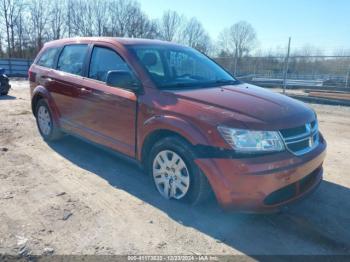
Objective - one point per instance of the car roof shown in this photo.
(112, 40)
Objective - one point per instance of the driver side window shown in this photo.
(104, 60)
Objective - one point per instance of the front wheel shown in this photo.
(171, 175)
(174, 172)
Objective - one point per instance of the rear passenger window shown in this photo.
(72, 59)
(48, 57)
(104, 60)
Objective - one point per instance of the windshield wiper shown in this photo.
(175, 85)
(202, 84)
(226, 81)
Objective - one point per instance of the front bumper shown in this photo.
(264, 183)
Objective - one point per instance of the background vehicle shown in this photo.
(192, 125)
(4, 83)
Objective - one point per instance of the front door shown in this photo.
(110, 112)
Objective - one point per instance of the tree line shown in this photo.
(25, 25)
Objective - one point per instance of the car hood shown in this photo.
(252, 106)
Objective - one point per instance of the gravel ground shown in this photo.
(72, 198)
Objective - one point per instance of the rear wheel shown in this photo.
(4, 89)
(174, 173)
(47, 128)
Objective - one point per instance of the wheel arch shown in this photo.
(39, 93)
(155, 136)
(158, 127)
(35, 101)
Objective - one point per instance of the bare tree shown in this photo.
(9, 11)
(20, 31)
(195, 35)
(308, 50)
(121, 12)
(146, 28)
(341, 52)
(238, 40)
(169, 25)
(27, 24)
(69, 7)
(100, 17)
(39, 18)
(131, 21)
(81, 18)
(1, 51)
(57, 19)
(141, 26)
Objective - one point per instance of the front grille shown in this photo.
(293, 131)
(282, 195)
(302, 139)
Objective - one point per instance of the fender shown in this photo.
(169, 123)
(186, 130)
(44, 93)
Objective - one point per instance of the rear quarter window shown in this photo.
(48, 58)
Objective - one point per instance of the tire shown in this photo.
(196, 191)
(51, 132)
(4, 88)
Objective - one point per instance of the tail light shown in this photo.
(31, 76)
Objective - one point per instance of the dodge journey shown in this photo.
(193, 127)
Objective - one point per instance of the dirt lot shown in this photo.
(72, 198)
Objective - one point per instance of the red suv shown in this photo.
(187, 121)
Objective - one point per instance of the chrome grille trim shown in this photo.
(311, 136)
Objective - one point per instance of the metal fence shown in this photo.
(331, 71)
(302, 71)
(16, 67)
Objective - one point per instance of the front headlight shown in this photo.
(247, 141)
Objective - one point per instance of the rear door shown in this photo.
(41, 71)
(66, 83)
(110, 117)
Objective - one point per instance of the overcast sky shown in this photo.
(322, 23)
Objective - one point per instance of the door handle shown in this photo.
(85, 91)
(46, 78)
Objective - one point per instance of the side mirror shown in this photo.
(123, 79)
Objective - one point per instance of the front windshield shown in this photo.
(180, 67)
